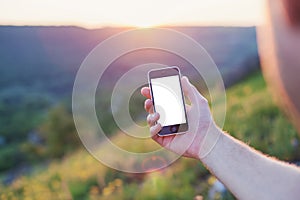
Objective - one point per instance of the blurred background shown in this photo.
(43, 43)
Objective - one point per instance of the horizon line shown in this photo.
(125, 26)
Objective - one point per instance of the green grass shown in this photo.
(252, 116)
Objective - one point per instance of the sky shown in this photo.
(137, 13)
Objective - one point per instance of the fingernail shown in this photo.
(151, 118)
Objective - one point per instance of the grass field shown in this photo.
(252, 116)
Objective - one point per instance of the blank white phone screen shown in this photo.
(168, 100)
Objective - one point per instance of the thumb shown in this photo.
(189, 90)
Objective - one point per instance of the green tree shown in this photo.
(59, 132)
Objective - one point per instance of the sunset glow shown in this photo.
(99, 13)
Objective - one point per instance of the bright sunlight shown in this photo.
(99, 13)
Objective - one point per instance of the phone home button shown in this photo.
(173, 129)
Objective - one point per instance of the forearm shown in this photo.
(249, 174)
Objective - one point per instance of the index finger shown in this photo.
(145, 91)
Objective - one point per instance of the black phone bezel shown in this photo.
(164, 72)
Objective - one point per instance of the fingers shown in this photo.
(152, 119)
(155, 129)
(190, 91)
(145, 91)
(148, 106)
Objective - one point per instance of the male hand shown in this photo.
(200, 122)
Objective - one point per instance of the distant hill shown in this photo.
(36, 59)
(38, 66)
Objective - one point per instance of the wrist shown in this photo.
(210, 140)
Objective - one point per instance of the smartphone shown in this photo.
(168, 100)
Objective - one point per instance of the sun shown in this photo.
(145, 25)
(143, 22)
